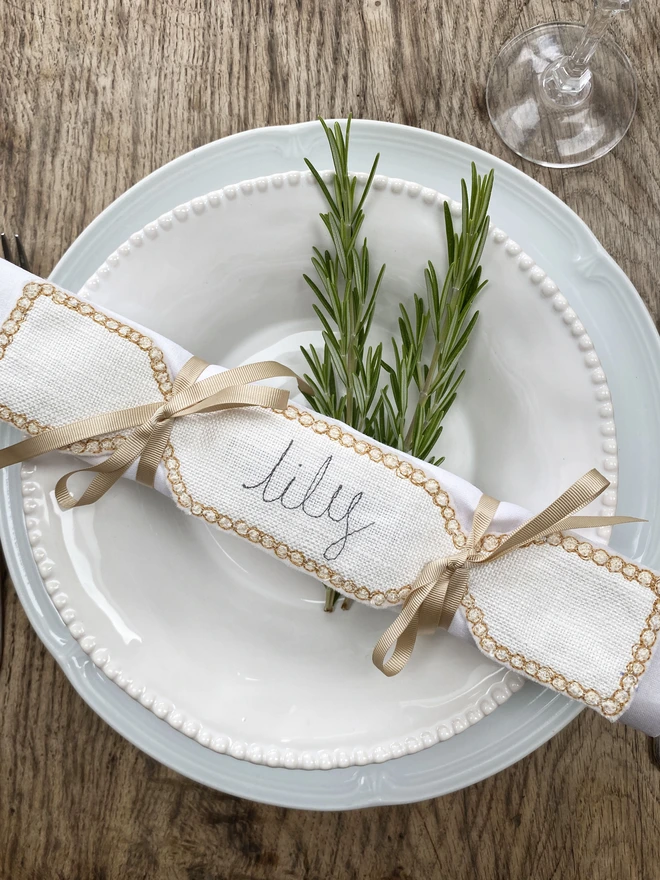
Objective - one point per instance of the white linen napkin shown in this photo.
(568, 613)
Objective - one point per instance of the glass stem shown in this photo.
(566, 82)
(578, 61)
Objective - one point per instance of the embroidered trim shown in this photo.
(31, 292)
(280, 549)
(392, 462)
(326, 574)
(610, 705)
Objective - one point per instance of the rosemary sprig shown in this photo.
(347, 376)
(446, 318)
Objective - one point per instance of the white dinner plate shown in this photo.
(617, 323)
(239, 659)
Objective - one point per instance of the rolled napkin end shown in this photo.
(443, 584)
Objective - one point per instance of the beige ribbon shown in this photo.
(442, 584)
(153, 423)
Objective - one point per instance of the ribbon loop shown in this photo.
(153, 451)
(442, 584)
(152, 424)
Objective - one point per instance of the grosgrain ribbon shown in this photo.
(153, 423)
(442, 583)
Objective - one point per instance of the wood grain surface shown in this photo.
(95, 94)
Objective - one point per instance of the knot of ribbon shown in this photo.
(152, 424)
(441, 585)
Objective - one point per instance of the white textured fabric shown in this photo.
(548, 581)
(326, 499)
(317, 496)
(86, 386)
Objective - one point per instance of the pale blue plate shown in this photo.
(627, 344)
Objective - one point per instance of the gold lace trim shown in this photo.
(403, 469)
(612, 704)
(31, 292)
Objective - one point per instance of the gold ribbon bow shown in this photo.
(153, 423)
(442, 583)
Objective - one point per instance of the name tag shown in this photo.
(322, 498)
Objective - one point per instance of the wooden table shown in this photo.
(93, 97)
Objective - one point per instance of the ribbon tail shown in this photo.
(152, 454)
(571, 523)
(107, 472)
(58, 438)
(402, 634)
(442, 579)
(458, 584)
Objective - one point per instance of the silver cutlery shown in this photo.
(16, 255)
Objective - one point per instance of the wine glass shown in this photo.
(563, 94)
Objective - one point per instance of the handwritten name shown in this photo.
(311, 497)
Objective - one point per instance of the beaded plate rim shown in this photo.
(432, 200)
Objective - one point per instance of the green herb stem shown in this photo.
(347, 376)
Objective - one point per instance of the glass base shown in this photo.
(536, 122)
